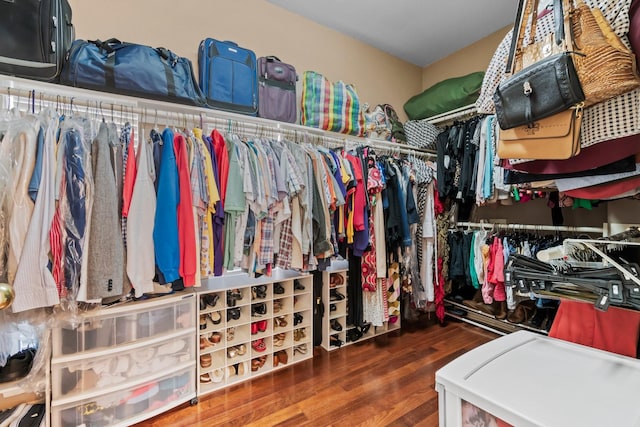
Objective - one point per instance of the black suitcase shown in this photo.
(34, 37)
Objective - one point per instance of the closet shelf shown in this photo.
(20, 90)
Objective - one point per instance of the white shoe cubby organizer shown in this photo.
(251, 326)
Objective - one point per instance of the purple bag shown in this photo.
(276, 90)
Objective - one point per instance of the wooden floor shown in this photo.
(387, 381)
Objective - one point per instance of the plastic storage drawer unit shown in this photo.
(525, 379)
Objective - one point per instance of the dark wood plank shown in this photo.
(386, 381)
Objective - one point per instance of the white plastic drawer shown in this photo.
(118, 408)
(75, 377)
(105, 331)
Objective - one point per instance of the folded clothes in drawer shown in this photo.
(76, 377)
(118, 407)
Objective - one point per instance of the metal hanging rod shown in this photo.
(458, 113)
(152, 110)
(530, 227)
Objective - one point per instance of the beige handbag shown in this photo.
(605, 66)
(552, 138)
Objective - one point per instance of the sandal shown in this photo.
(278, 339)
(277, 306)
(231, 333)
(302, 349)
(205, 378)
(242, 349)
(232, 352)
(280, 321)
(255, 364)
(259, 345)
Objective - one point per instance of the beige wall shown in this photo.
(475, 57)
(257, 25)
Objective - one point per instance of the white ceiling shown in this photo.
(418, 31)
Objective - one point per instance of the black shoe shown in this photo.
(297, 318)
(334, 341)
(259, 310)
(354, 335)
(332, 307)
(259, 292)
(233, 314)
(278, 288)
(17, 366)
(335, 296)
(335, 325)
(297, 285)
(365, 328)
(210, 299)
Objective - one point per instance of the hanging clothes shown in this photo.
(34, 284)
(188, 266)
(141, 261)
(165, 230)
(106, 250)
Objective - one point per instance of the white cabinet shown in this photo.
(251, 326)
(527, 379)
(124, 364)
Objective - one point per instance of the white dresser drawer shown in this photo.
(74, 377)
(125, 407)
(120, 327)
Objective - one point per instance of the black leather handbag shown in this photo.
(547, 86)
(35, 36)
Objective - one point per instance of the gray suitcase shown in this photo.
(276, 90)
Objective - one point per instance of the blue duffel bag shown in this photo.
(131, 69)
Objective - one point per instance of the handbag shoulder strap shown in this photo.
(528, 11)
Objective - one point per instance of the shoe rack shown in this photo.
(336, 333)
(121, 365)
(525, 317)
(251, 326)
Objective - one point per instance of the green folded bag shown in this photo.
(445, 96)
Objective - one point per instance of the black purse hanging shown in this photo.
(547, 86)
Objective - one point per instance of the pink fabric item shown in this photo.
(129, 177)
(186, 227)
(499, 293)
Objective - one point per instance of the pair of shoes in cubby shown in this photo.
(259, 292)
(258, 362)
(302, 349)
(280, 357)
(299, 334)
